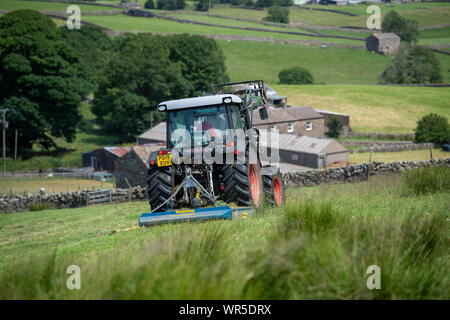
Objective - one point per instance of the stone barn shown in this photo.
(153, 135)
(133, 166)
(384, 43)
(343, 118)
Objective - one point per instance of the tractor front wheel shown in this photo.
(274, 189)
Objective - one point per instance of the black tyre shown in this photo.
(160, 185)
(274, 189)
(243, 184)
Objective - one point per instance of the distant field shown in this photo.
(49, 6)
(128, 23)
(412, 155)
(372, 108)
(51, 185)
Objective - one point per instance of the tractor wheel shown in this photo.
(274, 189)
(243, 184)
(160, 181)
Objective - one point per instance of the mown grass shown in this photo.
(317, 247)
(410, 155)
(372, 108)
(51, 185)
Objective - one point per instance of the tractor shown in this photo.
(205, 163)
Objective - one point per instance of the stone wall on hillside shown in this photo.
(384, 146)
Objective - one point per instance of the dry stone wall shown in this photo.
(353, 173)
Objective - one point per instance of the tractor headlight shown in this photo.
(227, 100)
(162, 107)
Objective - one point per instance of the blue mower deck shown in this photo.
(225, 212)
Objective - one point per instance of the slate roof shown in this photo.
(291, 114)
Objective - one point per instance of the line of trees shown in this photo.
(46, 72)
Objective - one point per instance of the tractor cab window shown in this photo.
(236, 118)
(201, 125)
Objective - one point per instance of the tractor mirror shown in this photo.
(263, 113)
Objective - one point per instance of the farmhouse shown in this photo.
(299, 120)
(384, 43)
(131, 169)
(153, 135)
(310, 151)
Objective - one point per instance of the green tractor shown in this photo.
(205, 160)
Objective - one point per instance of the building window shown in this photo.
(309, 126)
(290, 127)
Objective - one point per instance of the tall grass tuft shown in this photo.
(40, 206)
(427, 180)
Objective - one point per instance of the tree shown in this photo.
(203, 5)
(43, 80)
(334, 127)
(149, 4)
(277, 14)
(170, 4)
(92, 45)
(412, 64)
(202, 61)
(432, 128)
(295, 75)
(406, 29)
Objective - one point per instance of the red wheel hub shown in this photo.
(254, 184)
(277, 190)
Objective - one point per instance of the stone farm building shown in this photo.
(131, 168)
(310, 151)
(384, 43)
(153, 135)
(103, 159)
(298, 120)
(343, 118)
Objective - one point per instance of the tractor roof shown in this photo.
(198, 101)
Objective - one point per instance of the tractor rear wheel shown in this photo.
(160, 182)
(243, 184)
(274, 189)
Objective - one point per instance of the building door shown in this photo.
(321, 162)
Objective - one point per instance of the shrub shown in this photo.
(149, 4)
(170, 4)
(427, 180)
(432, 128)
(334, 127)
(412, 64)
(40, 206)
(295, 75)
(203, 5)
(406, 29)
(277, 14)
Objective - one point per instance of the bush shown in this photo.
(170, 4)
(203, 5)
(432, 128)
(295, 75)
(406, 29)
(40, 206)
(412, 64)
(149, 4)
(334, 127)
(427, 180)
(277, 14)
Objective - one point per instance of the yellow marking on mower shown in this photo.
(244, 215)
(184, 211)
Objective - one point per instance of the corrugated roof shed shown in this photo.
(308, 144)
(289, 114)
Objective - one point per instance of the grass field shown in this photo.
(50, 6)
(317, 247)
(372, 108)
(412, 155)
(51, 185)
